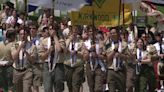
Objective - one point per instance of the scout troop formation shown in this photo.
(56, 52)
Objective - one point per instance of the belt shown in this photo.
(114, 70)
(110, 69)
(120, 70)
(20, 70)
(38, 63)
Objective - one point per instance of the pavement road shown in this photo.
(85, 88)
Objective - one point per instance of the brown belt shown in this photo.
(21, 70)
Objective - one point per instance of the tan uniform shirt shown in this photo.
(75, 60)
(5, 52)
(44, 42)
(123, 50)
(36, 43)
(22, 62)
(143, 55)
(58, 56)
(152, 53)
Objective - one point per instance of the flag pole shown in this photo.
(123, 9)
(16, 4)
(53, 5)
(93, 22)
(119, 14)
(26, 8)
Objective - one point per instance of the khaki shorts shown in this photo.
(37, 75)
(22, 80)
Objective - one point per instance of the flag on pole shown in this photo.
(89, 2)
(63, 5)
(155, 1)
(42, 3)
(154, 11)
(130, 1)
(32, 8)
(69, 5)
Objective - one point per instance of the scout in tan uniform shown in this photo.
(144, 68)
(117, 53)
(130, 65)
(53, 57)
(95, 67)
(37, 67)
(159, 66)
(23, 53)
(74, 65)
(6, 62)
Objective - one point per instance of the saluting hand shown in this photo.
(52, 33)
(22, 45)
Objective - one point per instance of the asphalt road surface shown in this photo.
(85, 88)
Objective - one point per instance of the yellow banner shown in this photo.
(106, 13)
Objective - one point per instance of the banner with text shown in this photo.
(106, 13)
